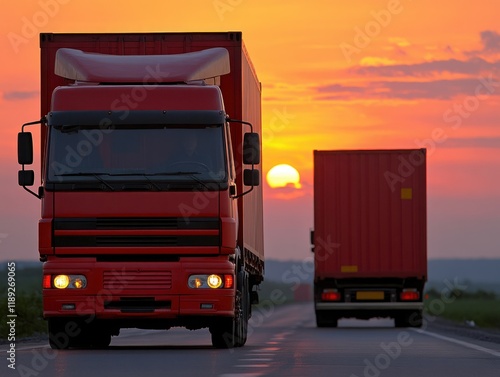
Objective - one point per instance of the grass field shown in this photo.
(482, 307)
(28, 302)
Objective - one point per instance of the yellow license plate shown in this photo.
(369, 295)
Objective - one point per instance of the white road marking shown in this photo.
(461, 342)
(270, 349)
(262, 356)
(282, 335)
(252, 366)
(259, 359)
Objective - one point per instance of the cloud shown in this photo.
(471, 66)
(491, 43)
(440, 79)
(20, 95)
(338, 88)
(409, 90)
(474, 63)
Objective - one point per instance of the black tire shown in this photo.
(326, 319)
(415, 319)
(409, 319)
(223, 334)
(233, 332)
(242, 331)
(400, 321)
(58, 339)
(101, 340)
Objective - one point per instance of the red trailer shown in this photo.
(151, 204)
(369, 237)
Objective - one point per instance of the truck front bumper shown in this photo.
(146, 290)
(160, 307)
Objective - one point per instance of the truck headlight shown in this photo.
(214, 281)
(67, 281)
(210, 281)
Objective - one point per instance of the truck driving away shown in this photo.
(369, 238)
(151, 209)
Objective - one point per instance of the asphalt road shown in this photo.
(284, 341)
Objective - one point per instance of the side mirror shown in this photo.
(251, 148)
(25, 157)
(24, 148)
(26, 177)
(251, 177)
(311, 236)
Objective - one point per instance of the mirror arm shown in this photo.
(240, 121)
(43, 120)
(229, 120)
(244, 192)
(32, 192)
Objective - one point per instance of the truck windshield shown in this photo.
(128, 153)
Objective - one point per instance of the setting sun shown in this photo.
(283, 175)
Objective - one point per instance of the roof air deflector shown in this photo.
(148, 69)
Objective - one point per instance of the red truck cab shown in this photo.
(145, 179)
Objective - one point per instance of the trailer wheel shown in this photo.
(326, 319)
(409, 319)
(416, 319)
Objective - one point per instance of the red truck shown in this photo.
(151, 206)
(369, 238)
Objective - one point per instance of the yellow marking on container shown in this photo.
(348, 268)
(406, 193)
(369, 295)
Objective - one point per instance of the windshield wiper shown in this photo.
(190, 174)
(150, 181)
(68, 128)
(176, 173)
(95, 175)
(98, 176)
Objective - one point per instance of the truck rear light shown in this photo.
(330, 295)
(409, 295)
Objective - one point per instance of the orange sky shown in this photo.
(335, 75)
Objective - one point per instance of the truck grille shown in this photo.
(136, 232)
(136, 279)
(135, 223)
(131, 241)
